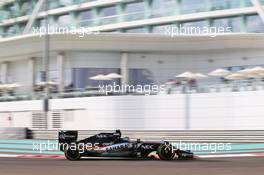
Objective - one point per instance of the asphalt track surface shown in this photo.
(212, 166)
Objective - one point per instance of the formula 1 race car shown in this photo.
(113, 145)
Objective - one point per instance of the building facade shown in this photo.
(131, 43)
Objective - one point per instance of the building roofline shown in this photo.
(120, 42)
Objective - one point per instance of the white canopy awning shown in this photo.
(219, 73)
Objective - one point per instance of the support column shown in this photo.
(60, 69)
(96, 16)
(148, 12)
(4, 67)
(120, 12)
(178, 7)
(124, 68)
(259, 8)
(31, 75)
(1, 32)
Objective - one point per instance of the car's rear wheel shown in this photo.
(166, 152)
(72, 155)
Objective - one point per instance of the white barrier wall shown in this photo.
(123, 112)
(233, 110)
(18, 106)
(18, 114)
(230, 110)
(207, 111)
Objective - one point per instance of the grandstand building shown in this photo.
(132, 16)
(145, 41)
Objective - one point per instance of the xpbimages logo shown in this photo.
(64, 30)
(174, 31)
(44, 146)
(41, 147)
(202, 147)
(126, 88)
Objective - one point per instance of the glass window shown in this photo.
(192, 6)
(4, 14)
(53, 4)
(60, 3)
(12, 12)
(26, 8)
(10, 31)
(65, 20)
(195, 24)
(42, 22)
(136, 30)
(68, 78)
(194, 27)
(108, 15)
(248, 3)
(163, 28)
(233, 23)
(163, 7)
(22, 26)
(134, 11)
(225, 4)
(80, 77)
(254, 24)
(53, 76)
(141, 77)
(66, 2)
(1, 32)
(86, 18)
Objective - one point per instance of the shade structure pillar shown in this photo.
(31, 74)
(4, 69)
(60, 68)
(124, 68)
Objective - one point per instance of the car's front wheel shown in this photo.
(166, 152)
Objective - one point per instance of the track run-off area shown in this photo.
(17, 157)
(199, 166)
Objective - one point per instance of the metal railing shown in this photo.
(74, 93)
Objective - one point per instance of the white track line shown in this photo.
(8, 155)
(62, 157)
(31, 156)
(227, 155)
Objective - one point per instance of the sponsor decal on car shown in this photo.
(116, 147)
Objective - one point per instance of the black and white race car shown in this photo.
(113, 145)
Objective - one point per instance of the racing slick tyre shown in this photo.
(185, 155)
(72, 155)
(166, 152)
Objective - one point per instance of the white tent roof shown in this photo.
(100, 77)
(113, 76)
(219, 73)
(188, 75)
(235, 76)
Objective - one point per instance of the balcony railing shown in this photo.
(240, 86)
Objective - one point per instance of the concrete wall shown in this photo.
(18, 114)
(239, 110)
(212, 111)
(16, 119)
(234, 110)
(124, 112)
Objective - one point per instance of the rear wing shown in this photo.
(67, 137)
